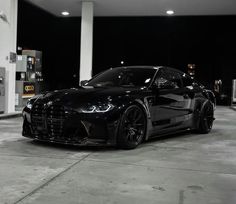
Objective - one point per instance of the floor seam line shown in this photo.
(7, 155)
(50, 180)
(161, 167)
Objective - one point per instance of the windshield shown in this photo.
(123, 77)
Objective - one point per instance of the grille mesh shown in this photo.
(55, 120)
(37, 115)
(48, 119)
(48, 123)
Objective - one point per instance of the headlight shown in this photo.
(31, 101)
(29, 104)
(97, 108)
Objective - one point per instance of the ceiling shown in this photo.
(141, 7)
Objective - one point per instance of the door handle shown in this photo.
(186, 96)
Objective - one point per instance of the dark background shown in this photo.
(207, 41)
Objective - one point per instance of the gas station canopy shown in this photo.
(140, 7)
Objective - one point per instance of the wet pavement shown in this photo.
(180, 169)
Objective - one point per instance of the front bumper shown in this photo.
(61, 125)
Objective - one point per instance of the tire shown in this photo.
(26, 129)
(132, 128)
(206, 118)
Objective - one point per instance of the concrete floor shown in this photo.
(182, 169)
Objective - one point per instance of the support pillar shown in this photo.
(8, 34)
(86, 43)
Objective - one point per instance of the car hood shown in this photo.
(88, 94)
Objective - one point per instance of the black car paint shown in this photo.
(166, 111)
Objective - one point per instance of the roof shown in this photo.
(139, 67)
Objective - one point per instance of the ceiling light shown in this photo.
(170, 12)
(65, 13)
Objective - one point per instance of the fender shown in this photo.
(211, 97)
(145, 106)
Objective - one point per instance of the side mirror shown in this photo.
(83, 82)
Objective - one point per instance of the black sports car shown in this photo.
(122, 106)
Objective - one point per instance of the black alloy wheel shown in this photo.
(132, 127)
(206, 118)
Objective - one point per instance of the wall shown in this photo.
(8, 32)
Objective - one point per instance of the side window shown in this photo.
(168, 79)
(175, 78)
(187, 80)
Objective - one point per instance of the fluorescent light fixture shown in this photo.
(170, 12)
(65, 13)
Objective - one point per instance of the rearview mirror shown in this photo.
(83, 82)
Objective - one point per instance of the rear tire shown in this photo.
(132, 128)
(206, 118)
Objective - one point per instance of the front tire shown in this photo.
(132, 127)
(26, 128)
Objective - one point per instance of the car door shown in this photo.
(167, 110)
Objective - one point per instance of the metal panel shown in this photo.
(2, 89)
(234, 92)
(21, 63)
